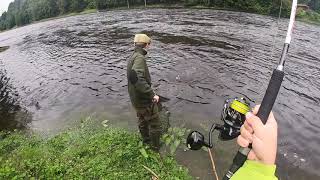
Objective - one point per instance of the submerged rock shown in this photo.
(3, 48)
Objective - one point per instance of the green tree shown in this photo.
(315, 5)
(77, 5)
(101, 4)
(53, 8)
(64, 6)
(10, 18)
(25, 14)
(3, 18)
(90, 4)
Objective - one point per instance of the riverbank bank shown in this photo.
(308, 16)
(87, 11)
(86, 152)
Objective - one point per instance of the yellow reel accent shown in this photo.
(240, 107)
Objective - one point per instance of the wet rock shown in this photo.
(3, 48)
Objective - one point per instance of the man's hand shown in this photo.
(262, 136)
(155, 99)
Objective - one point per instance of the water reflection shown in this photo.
(12, 115)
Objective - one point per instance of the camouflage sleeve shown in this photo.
(141, 84)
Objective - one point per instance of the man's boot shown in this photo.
(155, 141)
(144, 131)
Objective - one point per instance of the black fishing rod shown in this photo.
(234, 110)
(270, 95)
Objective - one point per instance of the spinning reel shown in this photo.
(233, 117)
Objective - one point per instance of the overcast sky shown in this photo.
(4, 5)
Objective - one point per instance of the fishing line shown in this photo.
(214, 170)
(275, 35)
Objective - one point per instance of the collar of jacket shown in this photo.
(140, 50)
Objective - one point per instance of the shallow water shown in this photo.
(68, 68)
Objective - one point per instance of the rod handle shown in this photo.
(270, 95)
(238, 161)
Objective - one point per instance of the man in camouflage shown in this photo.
(141, 94)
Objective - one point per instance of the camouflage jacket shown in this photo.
(139, 80)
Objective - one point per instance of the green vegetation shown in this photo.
(83, 153)
(21, 12)
(173, 138)
(308, 16)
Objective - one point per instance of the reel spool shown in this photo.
(233, 116)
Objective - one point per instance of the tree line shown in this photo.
(21, 12)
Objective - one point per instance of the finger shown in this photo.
(248, 127)
(256, 109)
(254, 121)
(246, 134)
(242, 141)
(257, 142)
(252, 155)
(272, 120)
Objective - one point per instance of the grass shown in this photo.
(309, 16)
(83, 153)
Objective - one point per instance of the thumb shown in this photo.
(271, 119)
(256, 109)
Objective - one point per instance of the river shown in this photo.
(59, 71)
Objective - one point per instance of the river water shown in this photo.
(59, 71)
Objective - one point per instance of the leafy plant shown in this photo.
(174, 137)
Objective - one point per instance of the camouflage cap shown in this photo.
(142, 38)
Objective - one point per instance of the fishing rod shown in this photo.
(270, 95)
(234, 110)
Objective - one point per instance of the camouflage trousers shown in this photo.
(149, 126)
